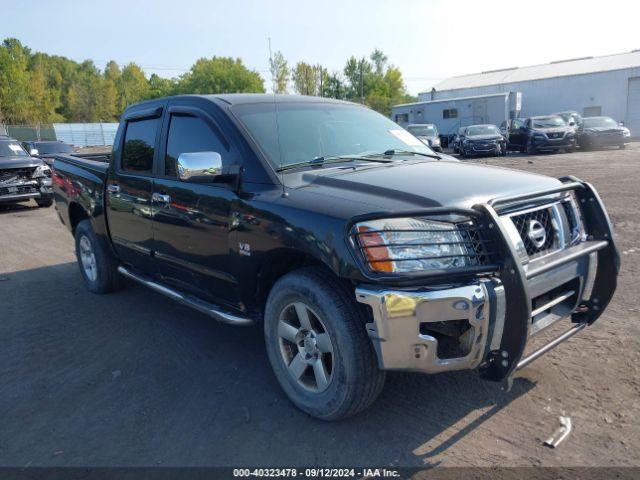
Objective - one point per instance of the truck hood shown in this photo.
(420, 184)
(19, 162)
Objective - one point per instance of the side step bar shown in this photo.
(552, 344)
(188, 300)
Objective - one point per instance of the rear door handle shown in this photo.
(113, 188)
(161, 198)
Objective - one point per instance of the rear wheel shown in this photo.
(318, 347)
(98, 267)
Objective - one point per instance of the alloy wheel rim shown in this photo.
(88, 259)
(305, 347)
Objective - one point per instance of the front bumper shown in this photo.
(499, 312)
(553, 144)
(484, 149)
(22, 191)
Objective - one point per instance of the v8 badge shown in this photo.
(244, 249)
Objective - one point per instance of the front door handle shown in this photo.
(161, 198)
(113, 188)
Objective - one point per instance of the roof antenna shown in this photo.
(275, 108)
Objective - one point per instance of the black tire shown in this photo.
(530, 149)
(45, 202)
(622, 147)
(355, 380)
(570, 150)
(107, 279)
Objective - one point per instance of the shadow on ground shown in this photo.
(132, 378)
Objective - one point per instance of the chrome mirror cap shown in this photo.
(199, 166)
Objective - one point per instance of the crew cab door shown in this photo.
(192, 221)
(130, 186)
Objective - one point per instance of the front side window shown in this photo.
(12, 149)
(139, 144)
(188, 134)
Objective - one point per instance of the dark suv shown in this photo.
(482, 140)
(545, 133)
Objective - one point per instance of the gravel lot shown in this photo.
(135, 379)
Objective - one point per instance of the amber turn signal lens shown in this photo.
(374, 250)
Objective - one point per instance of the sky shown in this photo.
(429, 40)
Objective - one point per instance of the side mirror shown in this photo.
(572, 124)
(199, 167)
(34, 152)
(621, 124)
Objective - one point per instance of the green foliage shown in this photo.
(221, 75)
(41, 88)
(279, 73)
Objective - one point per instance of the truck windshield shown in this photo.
(482, 130)
(305, 131)
(53, 147)
(595, 122)
(548, 122)
(12, 149)
(423, 130)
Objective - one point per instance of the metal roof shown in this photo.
(560, 68)
(445, 100)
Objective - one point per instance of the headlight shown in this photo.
(626, 132)
(401, 245)
(436, 141)
(539, 136)
(42, 171)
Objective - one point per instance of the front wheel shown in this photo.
(45, 202)
(318, 347)
(622, 147)
(530, 149)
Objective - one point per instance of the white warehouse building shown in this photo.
(592, 86)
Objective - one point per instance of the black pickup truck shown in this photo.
(355, 246)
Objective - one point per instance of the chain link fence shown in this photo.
(77, 134)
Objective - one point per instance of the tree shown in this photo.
(161, 87)
(133, 85)
(379, 60)
(305, 81)
(279, 73)
(14, 82)
(221, 75)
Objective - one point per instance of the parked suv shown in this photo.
(603, 132)
(427, 133)
(23, 177)
(353, 247)
(544, 133)
(482, 140)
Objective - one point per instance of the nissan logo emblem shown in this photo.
(537, 233)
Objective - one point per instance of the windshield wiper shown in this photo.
(320, 161)
(393, 151)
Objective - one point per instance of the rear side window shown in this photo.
(188, 134)
(139, 142)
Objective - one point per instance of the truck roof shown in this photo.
(246, 98)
